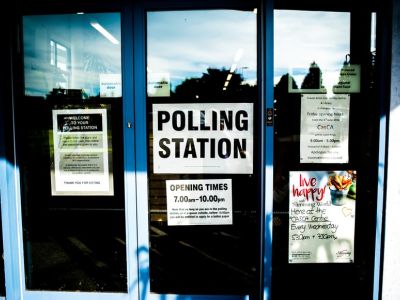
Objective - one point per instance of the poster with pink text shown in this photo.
(322, 208)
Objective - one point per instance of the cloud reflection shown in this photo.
(186, 43)
(302, 37)
(86, 55)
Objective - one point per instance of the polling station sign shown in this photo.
(203, 138)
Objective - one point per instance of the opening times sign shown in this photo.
(199, 202)
(203, 138)
(81, 156)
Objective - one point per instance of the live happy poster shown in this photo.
(322, 208)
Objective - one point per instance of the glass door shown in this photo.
(70, 154)
(200, 199)
(144, 123)
(143, 152)
(326, 154)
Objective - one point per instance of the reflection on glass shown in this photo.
(73, 52)
(197, 50)
(322, 42)
(201, 63)
(373, 32)
(325, 119)
(73, 223)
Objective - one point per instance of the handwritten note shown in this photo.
(321, 216)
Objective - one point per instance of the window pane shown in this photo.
(203, 199)
(84, 52)
(70, 153)
(322, 42)
(326, 122)
(223, 45)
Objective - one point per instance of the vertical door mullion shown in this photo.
(129, 150)
(9, 174)
(139, 83)
(267, 132)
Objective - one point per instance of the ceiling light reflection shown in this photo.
(104, 32)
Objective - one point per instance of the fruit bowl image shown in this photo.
(337, 197)
(339, 186)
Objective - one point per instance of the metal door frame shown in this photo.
(135, 157)
(265, 77)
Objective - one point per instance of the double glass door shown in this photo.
(156, 149)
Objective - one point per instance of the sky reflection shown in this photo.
(187, 43)
(184, 44)
(302, 37)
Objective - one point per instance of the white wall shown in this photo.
(391, 265)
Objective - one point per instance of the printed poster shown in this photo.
(203, 138)
(81, 153)
(199, 202)
(322, 208)
(324, 129)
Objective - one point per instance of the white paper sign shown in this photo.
(349, 80)
(199, 202)
(324, 129)
(322, 216)
(110, 85)
(158, 84)
(81, 154)
(203, 138)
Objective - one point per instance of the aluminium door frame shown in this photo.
(134, 71)
(10, 183)
(135, 158)
(265, 79)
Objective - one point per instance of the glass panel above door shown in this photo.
(202, 99)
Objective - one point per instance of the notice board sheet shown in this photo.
(81, 153)
(324, 128)
(199, 202)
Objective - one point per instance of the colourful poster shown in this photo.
(322, 208)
